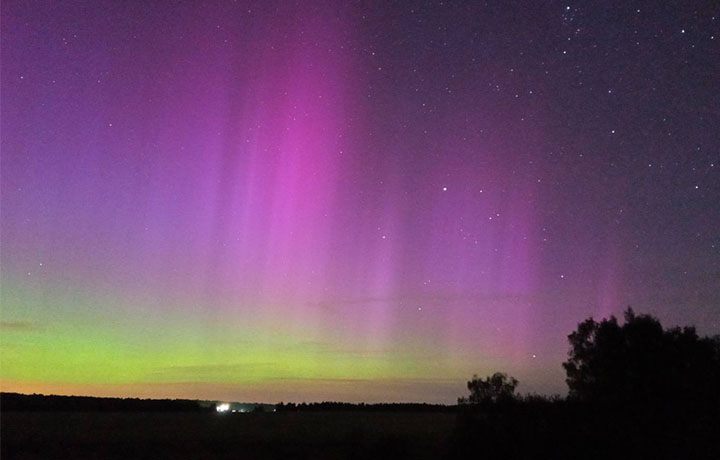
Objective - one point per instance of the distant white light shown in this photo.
(224, 407)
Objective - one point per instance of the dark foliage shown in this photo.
(54, 403)
(497, 388)
(332, 406)
(636, 391)
(640, 363)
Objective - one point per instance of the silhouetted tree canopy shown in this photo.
(55, 403)
(495, 388)
(333, 406)
(642, 363)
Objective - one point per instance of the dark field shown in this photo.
(320, 435)
(518, 431)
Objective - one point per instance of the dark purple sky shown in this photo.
(348, 200)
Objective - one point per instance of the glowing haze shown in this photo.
(308, 201)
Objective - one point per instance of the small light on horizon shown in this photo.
(224, 407)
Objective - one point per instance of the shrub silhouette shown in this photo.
(493, 389)
(637, 390)
(641, 363)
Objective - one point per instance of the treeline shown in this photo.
(54, 403)
(637, 391)
(329, 406)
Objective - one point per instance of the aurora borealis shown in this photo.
(358, 201)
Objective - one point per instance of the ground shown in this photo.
(316, 435)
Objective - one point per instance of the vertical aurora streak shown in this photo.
(282, 201)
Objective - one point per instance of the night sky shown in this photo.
(358, 201)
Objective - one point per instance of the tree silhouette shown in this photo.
(639, 362)
(495, 388)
